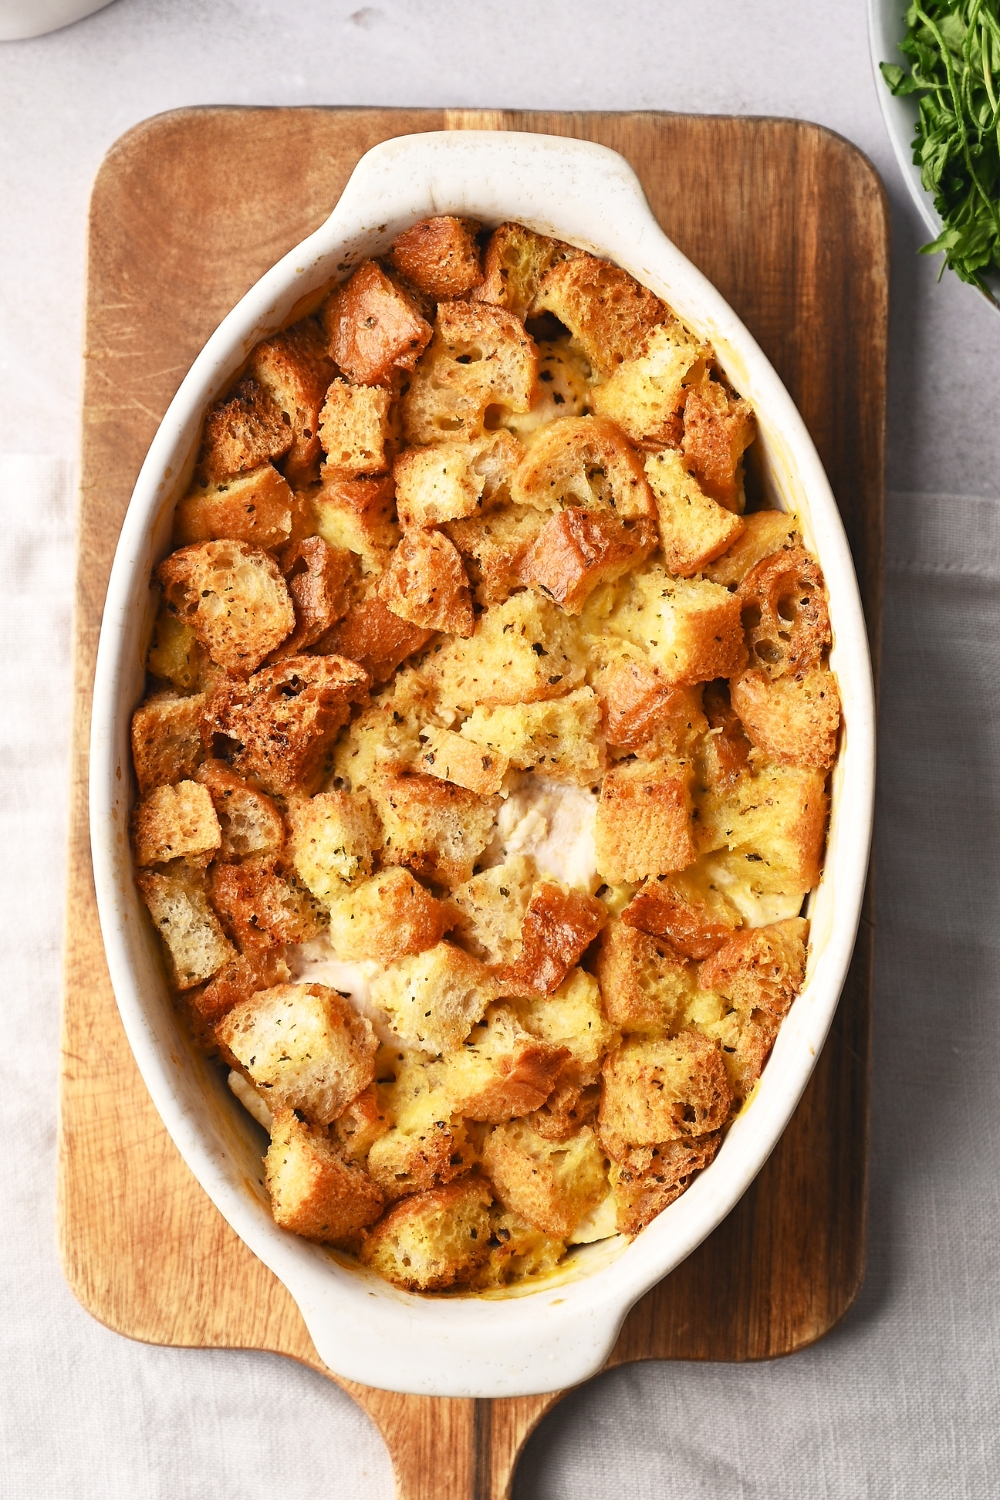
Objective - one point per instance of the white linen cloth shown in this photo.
(902, 1399)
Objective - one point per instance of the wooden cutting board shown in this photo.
(790, 223)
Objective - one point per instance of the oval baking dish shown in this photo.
(557, 1332)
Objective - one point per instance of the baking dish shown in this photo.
(560, 1331)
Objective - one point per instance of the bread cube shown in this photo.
(250, 821)
(764, 533)
(694, 527)
(379, 741)
(549, 1184)
(689, 911)
(559, 926)
(425, 584)
(480, 356)
(432, 1240)
(451, 758)
(645, 983)
(562, 736)
(644, 821)
(437, 828)
(319, 580)
(256, 507)
(261, 906)
(386, 917)
(501, 1070)
(242, 431)
(573, 1017)
(436, 484)
(607, 311)
(491, 909)
(726, 751)
(645, 396)
(375, 328)
(233, 597)
(659, 1090)
(176, 656)
(522, 651)
(239, 978)
(515, 261)
(303, 1046)
(166, 740)
(360, 1126)
(404, 1162)
(279, 728)
(493, 548)
(571, 1104)
(745, 1039)
(642, 1193)
(643, 712)
(178, 903)
(439, 256)
(777, 818)
(794, 720)
(785, 614)
(689, 628)
(354, 428)
(314, 1191)
(359, 515)
(175, 822)
(579, 549)
(433, 999)
(375, 637)
(331, 838)
(718, 428)
(586, 462)
(296, 370)
(761, 968)
(518, 1252)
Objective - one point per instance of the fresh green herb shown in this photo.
(954, 48)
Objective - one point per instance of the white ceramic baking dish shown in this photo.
(366, 1330)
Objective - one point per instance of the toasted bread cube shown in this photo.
(645, 396)
(362, 1123)
(642, 709)
(435, 827)
(785, 614)
(493, 548)
(562, 737)
(694, 527)
(314, 1191)
(166, 740)
(764, 533)
(760, 969)
(516, 259)
(359, 515)
(726, 751)
(559, 926)
(175, 822)
(318, 578)
(242, 431)
(375, 328)
(583, 461)
(642, 1193)
(262, 907)
(295, 370)
(376, 638)
(281, 725)
(691, 913)
(437, 484)
(579, 549)
(303, 1046)
(233, 597)
(549, 1184)
(331, 838)
(480, 356)
(451, 758)
(354, 428)
(377, 742)
(776, 817)
(794, 720)
(425, 584)
(644, 821)
(432, 1240)
(433, 999)
(250, 821)
(523, 651)
(239, 978)
(386, 917)
(662, 1090)
(718, 428)
(439, 256)
(605, 309)
(491, 910)
(745, 1038)
(573, 1017)
(689, 628)
(178, 903)
(403, 1162)
(501, 1070)
(518, 1253)
(175, 654)
(256, 507)
(645, 983)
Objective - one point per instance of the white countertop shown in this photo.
(902, 1399)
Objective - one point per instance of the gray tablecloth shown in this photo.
(901, 1399)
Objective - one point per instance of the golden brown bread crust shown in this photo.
(354, 429)
(784, 603)
(718, 428)
(608, 312)
(439, 256)
(314, 1191)
(695, 529)
(642, 1192)
(376, 637)
(662, 1090)
(426, 585)
(760, 968)
(696, 923)
(550, 1184)
(584, 461)
(644, 821)
(408, 1162)
(516, 259)
(451, 758)
(437, 828)
(177, 899)
(166, 740)
(794, 719)
(386, 917)
(295, 370)
(256, 507)
(374, 327)
(175, 822)
(480, 356)
(579, 549)
(237, 980)
(318, 578)
(559, 926)
(260, 906)
(432, 1240)
(644, 981)
(764, 532)
(728, 750)
(234, 599)
(640, 707)
(242, 431)
(359, 514)
(493, 548)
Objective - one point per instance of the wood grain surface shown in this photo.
(790, 223)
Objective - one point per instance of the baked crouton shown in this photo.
(295, 370)
(480, 356)
(559, 926)
(386, 917)
(437, 828)
(451, 758)
(794, 720)
(579, 549)
(662, 1090)
(549, 1184)
(358, 514)
(318, 578)
(692, 914)
(518, 1253)
(644, 821)
(432, 1240)
(278, 728)
(785, 615)
(375, 328)
(436, 484)
(516, 259)
(376, 638)
(239, 978)
(493, 549)
(379, 741)
(331, 838)
(641, 708)
(354, 428)
(491, 908)
(242, 431)
(689, 628)
(694, 528)
(314, 1191)
(260, 906)
(303, 1046)
(233, 597)
(645, 396)
(176, 656)
(439, 257)
(718, 428)
(764, 532)
(360, 1126)
(166, 740)
(424, 1156)
(726, 751)
(644, 981)
(425, 584)
(640, 1193)
(178, 903)
(605, 309)
(572, 1017)
(583, 461)
(745, 1039)
(523, 651)
(257, 507)
(760, 969)
(776, 818)
(433, 999)
(500, 1070)
(175, 822)
(249, 820)
(562, 736)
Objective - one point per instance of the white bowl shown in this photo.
(562, 1331)
(886, 29)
